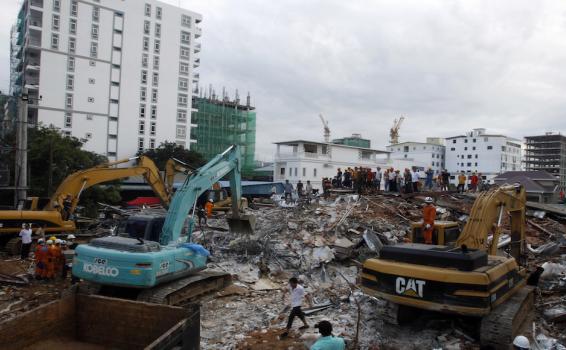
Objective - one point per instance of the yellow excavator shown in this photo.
(62, 204)
(469, 278)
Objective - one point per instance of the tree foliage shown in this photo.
(167, 150)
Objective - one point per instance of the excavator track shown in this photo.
(504, 322)
(186, 289)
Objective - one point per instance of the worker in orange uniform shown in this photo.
(50, 260)
(39, 259)
(208, 207)
(429, 215)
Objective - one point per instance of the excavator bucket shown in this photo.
(243, 224)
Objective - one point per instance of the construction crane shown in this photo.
(394, 131)
(326, 128)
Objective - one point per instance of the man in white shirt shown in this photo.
(25, 233)
(415, 180)
(297, 295)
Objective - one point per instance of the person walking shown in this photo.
(327, 341)
(415, 180)
(461, 182)
(297, 295)
(429, 215)
(429, 176)
(25, 234)
(288, 190)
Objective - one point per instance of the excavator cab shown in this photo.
(445, 233)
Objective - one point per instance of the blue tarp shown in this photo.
(196, 248)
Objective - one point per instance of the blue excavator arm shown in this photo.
(199, 181)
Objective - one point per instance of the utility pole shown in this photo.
(21, 180)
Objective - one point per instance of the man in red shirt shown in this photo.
(474, 182)
(429, 215)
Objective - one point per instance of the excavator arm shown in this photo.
(77, 182)
(487, 214)
(199, 181)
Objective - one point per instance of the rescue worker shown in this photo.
(521, 343)
(71, 241)
(39, 259)
(429, 215)
(201, 214)
(50, 264)
(208, 207)
(59, 258)
(461, 182)
(327, 341)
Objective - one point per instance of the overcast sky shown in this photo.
(447, 66)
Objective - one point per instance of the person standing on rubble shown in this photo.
(429, 176)
(25, 233)
(297, 295)
(445, 180)
(39, 259)
(408, 181)
(415, 180)
(377, 178)
(288, 190)
(392, 180)
(386, 180)
(308, 190)
(300, 189)
(327, 341)
(474, 182)
(429, 215)
(461, 182)
(208, 207)
(339, 178)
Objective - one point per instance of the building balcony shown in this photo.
(197, 47)
(198, 32)
(285, 156)
(196, 63)
(196, 78)
(36, 3)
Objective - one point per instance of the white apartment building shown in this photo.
(483, 153)
(422, 155)
(118, 74)
(310, 160)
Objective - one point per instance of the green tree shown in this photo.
(167, 150)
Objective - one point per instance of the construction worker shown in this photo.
(71, 241)
(327, 341)
(50, 264)
(59, 258)
(208, 207)
(429, 215)
(521, 343)
(39, 259)
(461, 182)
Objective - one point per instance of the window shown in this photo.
(93, 49)
(282, 171)
(141, 127)
(181, 131)
(314, 172)
(56, 5)
(304, 172)
(181, 116)
(154, 96)
(465, 140)
(156, 46)
(70, 81)
(486, 139)
(153, 112)
(91, 99)
(94, 32)
(469, 156)
(72, 44)
(144, 77)
(183, 84)
(89, 117)
(55, 22)
(503, 148)
(71, 64)
(68, 120)
(69, 100)
(489, 147)
(146, 25)
(151, 143)
(476, 156)
(145, 43)
(184, 68)
(95, 14)
(182, 100)
(296, 172)
(143, 94)
(144, 60)
(142, 111)
(186, 21)
(158, 12)
(185, 52)
(454, 141)
(476, 164)
(140, 144)
(74, 8)
(92, 63)
(73, 26)
(469, 164)
(465, 148)
(152, 128)
(155, 62)
(155, 79)
(157, 30)
(185, 38)
(55, 41)
(474, 140)
(148, 10)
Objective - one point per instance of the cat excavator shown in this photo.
(56, 215)
(470, 278)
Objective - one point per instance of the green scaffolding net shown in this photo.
(220, 124)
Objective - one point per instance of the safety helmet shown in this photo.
(521, 342)
(40, 241)
(53, 238)
(63, 242)
(71, 236)
(49, 241)
(57, 241)
(211, 201)
(428, 200)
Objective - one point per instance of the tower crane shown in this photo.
(394, 131)
(326, 128)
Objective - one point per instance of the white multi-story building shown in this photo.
(118, 74)
(483, 153)
(312, 161)
(423, 155)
